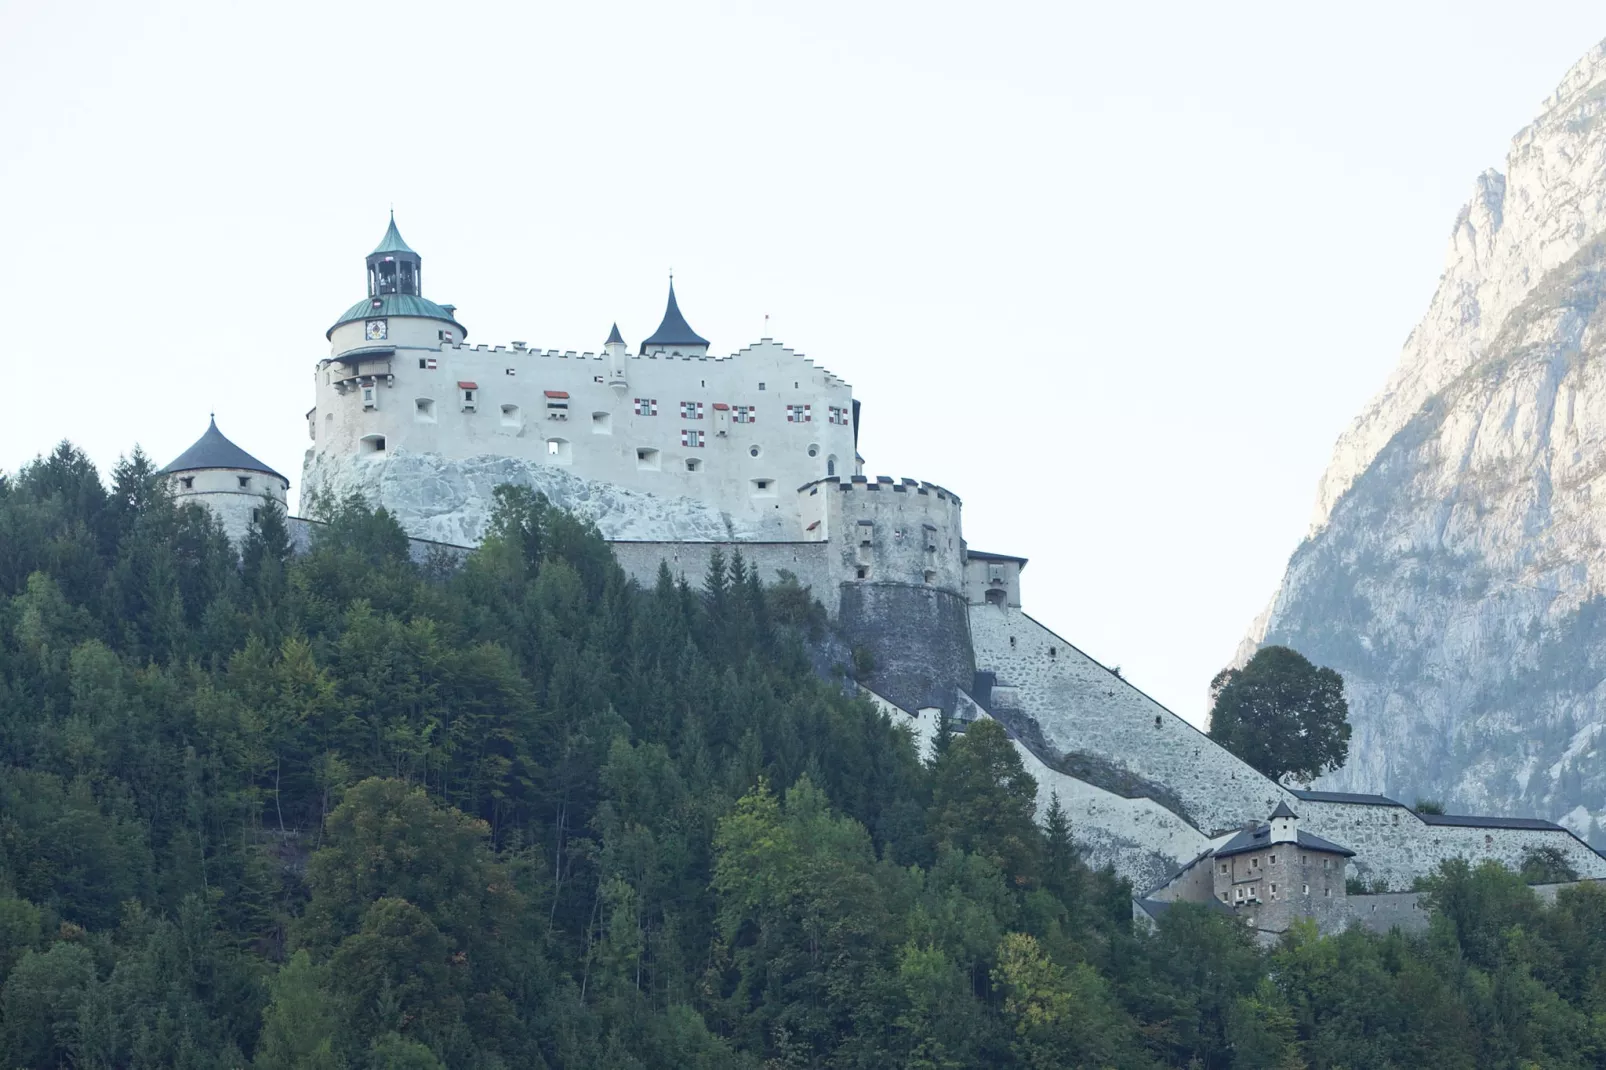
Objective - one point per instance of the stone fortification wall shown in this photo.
(1080, 707)
(739, 433)
(805, 560)
(1140, 839)
(896, 549)
(1383, 911)
(1395, 845)
(917, 639)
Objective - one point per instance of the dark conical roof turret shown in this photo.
(614, 337)
(214, 450)
(674, 330)
(392, 241)
(1283, 811)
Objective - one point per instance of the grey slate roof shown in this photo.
(1255, 839)
(1465, 821)
(392, 241)
(1156, 908)
(674, 330)
(1345, 797)
(213, 450)
(614, 337)
(1283, 810)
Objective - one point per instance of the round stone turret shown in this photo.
(225, 479)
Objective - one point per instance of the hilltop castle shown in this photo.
(674, 452)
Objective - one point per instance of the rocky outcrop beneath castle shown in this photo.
(450, 501)
(1456, 570)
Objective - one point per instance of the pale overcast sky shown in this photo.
(1116, 274)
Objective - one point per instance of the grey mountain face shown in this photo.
(1455, 571)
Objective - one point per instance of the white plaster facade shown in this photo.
(233, 494)
(740, 433)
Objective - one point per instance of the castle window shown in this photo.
(1053, 652)
(428, 363)
(930, 576)
(753, 451)
(1223, 867)
(245, 482)
(646, 406)
(188, 482)
(1273, 857)
(370, 399)
(691, 410)
(761, 386)
(830, 465)
(836, 415)
(814, 450)
(1327, 863)
(799, 414)
(1327, 893)
(602, 423)
(1012, 647)
(862, 572)
(763, 486)
(694, 464)
(691, 437)
(1307, 889)
(512, 418)
(745, 414)
(468, 394)
(424, 410)
(558, 451)
(1254, 863)
(372, 444)
(995, 597)
(647, 459)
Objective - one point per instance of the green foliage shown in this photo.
(343, 809)
(1281, 714)
(1429, 806)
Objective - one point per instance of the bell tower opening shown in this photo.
(393, 267)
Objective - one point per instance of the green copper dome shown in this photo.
(385, 305)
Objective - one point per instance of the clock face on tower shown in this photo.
(376, 331)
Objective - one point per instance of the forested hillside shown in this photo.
(342, 810)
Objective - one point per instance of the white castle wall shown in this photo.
(747, 470)
(233, 494)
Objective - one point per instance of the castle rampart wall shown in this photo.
(1081, 707)
(689, 560)
(1395, 845)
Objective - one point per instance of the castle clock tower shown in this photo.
(395, 314)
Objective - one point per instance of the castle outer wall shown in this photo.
(740, 433)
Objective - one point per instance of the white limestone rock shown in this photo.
(450, 501)
(1455, 571)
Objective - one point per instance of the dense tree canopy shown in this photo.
(348, 810)
(1282, 715)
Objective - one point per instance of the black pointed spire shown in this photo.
(674, 330)
(614, 337)
(1283, 811)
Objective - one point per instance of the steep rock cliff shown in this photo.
(450, 500)
(1455, 571)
